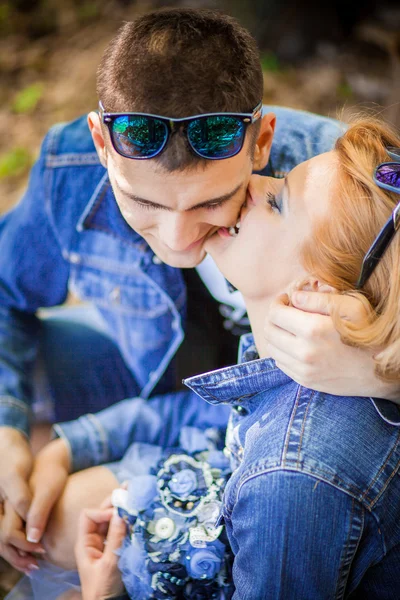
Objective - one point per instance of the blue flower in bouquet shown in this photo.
(132, 564)
(164, 532)
(183, 483)
(142, 491)
(205, 563)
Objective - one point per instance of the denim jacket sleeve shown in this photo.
(293, 537)
(103, 437)
(33, 273)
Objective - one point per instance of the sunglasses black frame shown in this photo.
(246, 118)
(386, 234)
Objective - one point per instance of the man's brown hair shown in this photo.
(181, 62)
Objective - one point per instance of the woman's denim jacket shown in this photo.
(67, 234)
(312, 509)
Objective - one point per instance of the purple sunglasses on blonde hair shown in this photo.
(387, 177)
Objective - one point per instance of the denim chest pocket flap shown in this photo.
(131, 295)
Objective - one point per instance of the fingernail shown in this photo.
(33, 535)
(299, 298)
(33, 567)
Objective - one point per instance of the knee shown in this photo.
(59, 537)
(86, 489)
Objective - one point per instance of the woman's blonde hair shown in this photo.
(335, 251)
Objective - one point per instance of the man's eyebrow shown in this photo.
(206, 204)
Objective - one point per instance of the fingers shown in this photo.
(90, 519)
(295, 322)
(115, 537)
(47, 486)
(13, 532)
(91, 534)
(15, 467)
(106, 503)
(18, 493)
(348, 307)
(26, 564)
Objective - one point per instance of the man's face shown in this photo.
(177, 212)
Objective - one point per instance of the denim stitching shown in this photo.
(292, 417)
(325, 476)
(102, 436)
(350, 551)
(72, 160)
(389, 479)
(303, 426)
(204, 388)
(10, 401)
(382, 469)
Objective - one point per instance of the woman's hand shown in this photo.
(95, 553)
(306, 346)
(49, 477)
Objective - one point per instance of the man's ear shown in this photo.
(94, 124)
(264, 142)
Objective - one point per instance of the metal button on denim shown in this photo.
(156, 260)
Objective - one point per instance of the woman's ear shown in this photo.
(264, 142)
(311, 284)
(96, 130)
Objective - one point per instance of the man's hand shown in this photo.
(16, 463)
(306, 346)
(95, 554)
(47, 482)
(15, 467)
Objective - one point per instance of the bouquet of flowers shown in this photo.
(175, 548)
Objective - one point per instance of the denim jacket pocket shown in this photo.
(135, 312)
(116, 292)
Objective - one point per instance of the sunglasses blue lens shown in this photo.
(389, 174)
(139, 137)
(216, 137)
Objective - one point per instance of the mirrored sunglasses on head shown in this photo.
(387, 177)
(214, 136)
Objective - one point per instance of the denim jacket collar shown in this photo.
(231, 383)
(255, 375)
(102, 214)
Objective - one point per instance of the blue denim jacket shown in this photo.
(67, 234)
(312, 509)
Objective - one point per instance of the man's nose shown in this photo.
(178, 231)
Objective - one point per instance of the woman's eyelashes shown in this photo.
(274, 202)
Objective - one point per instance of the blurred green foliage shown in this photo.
(344, 91)
(15, 162)
(27, 99)
(4, 15)
(270, 62)
(88, 11)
